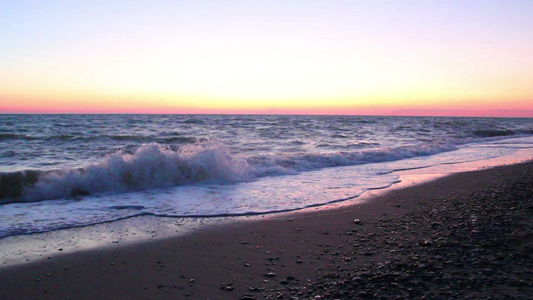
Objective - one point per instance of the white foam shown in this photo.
(264, 195)
(151, 166)
(19, 249)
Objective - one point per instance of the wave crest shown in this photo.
(293, 164)
(155, 166)
(151, 166)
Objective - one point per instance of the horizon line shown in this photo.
(444, 113)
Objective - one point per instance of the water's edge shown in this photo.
(22, 249)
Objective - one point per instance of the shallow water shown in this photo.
(62, 171)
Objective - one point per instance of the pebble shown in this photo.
(435, 251)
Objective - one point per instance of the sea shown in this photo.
(65, 171)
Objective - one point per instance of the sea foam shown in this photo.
(156, 166)
(150, 166)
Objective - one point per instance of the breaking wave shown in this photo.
(151, 166)
(155, 166)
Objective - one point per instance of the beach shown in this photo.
(465, 235)
(243, 150)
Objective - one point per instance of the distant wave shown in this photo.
(11, 136)
(117, 137)
(7, 136)
(295, 163)
(493, 132)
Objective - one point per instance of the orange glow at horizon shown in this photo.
(481, 107)
(313, 58)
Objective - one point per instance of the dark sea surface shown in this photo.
(61, 171)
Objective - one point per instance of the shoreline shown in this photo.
(319, 252)
(34, 247)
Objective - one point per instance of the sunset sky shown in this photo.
(472, 58)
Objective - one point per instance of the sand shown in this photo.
(465, 235)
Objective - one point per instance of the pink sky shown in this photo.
(442, 58)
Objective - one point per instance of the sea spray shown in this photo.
(150, 166)
(156, 166)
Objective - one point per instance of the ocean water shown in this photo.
(62, 171)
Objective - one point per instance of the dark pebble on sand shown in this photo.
(469, 245)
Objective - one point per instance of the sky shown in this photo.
(465, 58)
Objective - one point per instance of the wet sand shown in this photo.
(465, 235)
